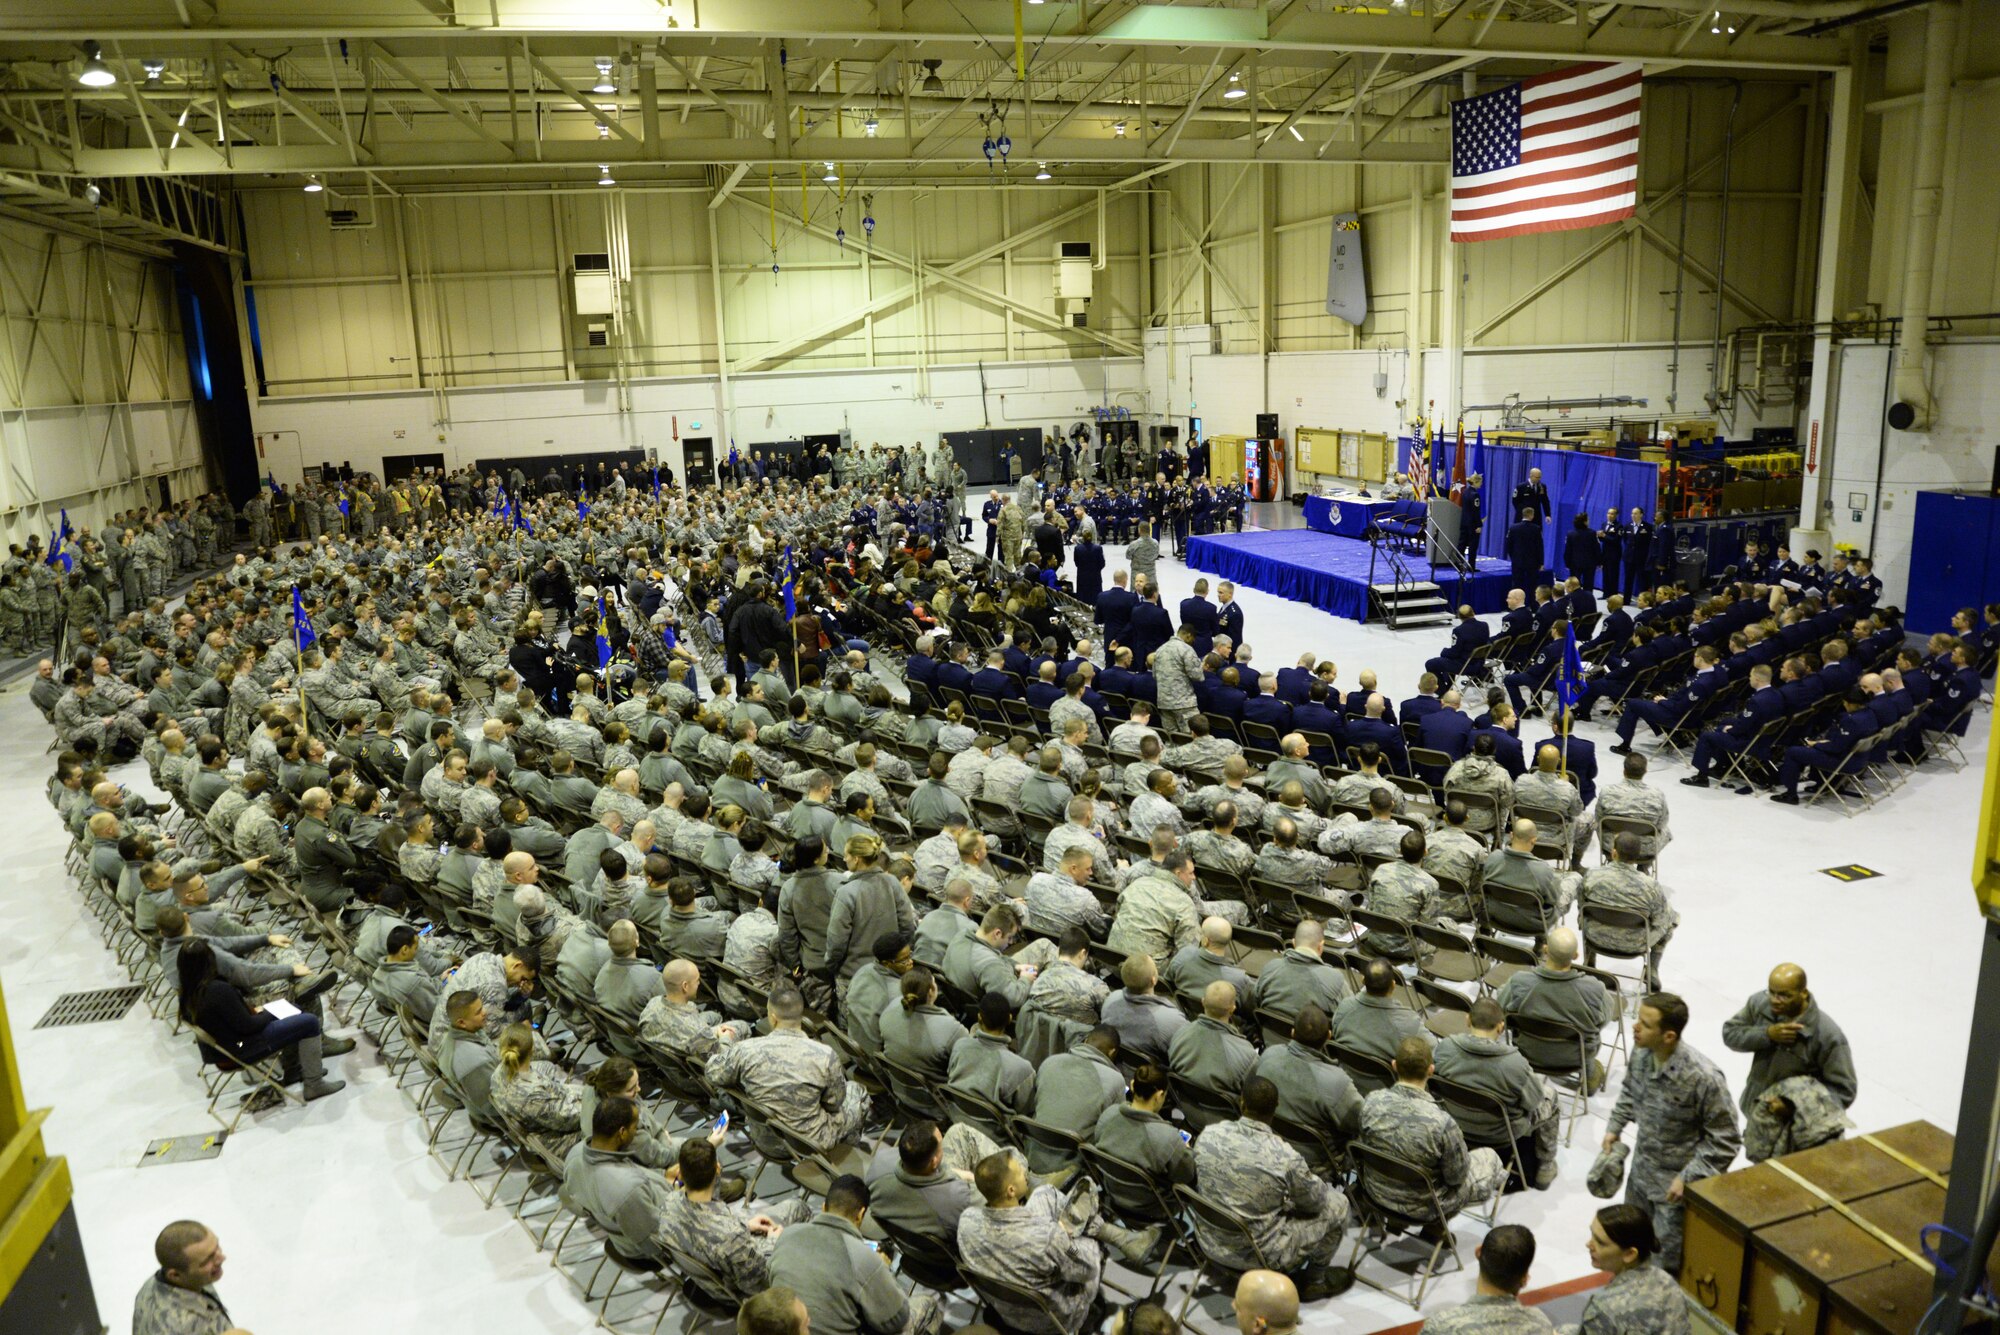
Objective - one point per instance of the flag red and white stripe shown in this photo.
(1552, 153)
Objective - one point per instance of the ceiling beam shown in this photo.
(575, 95)
(672, 151)
(1167, 34)
(451, 108)
(694, 82)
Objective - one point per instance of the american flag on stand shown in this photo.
(1549, 154)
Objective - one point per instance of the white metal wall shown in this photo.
(94, 395)
(1623, 293)
(472, 290)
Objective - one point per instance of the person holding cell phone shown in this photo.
(734, 1239)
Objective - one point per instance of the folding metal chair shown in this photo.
(1373, 1165)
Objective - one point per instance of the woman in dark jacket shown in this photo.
(1581, 552)
(244, 1033)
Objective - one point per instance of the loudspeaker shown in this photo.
(1267, 425)
(1902, 416)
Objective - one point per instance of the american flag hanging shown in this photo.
(1549, 154)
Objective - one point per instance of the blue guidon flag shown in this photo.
(302, 626)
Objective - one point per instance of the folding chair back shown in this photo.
(1369, 1073)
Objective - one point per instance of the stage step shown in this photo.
(1411, 606)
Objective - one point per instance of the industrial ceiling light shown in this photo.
(313, 186)
(1295, 133)
(605, 83)
(604, 176)
(1718, 27)
(1236, 88)
(871, 125)
(603, 130)
(154, 69)
(92, 195)
(95, 73)
(931, 83)
(1042, 172)
(831, 174)
(1119, 129)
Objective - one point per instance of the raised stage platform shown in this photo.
(1327, 572)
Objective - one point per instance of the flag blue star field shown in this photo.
(582, 507)
(603, 644)
(302, 626)
(789, 580)
(1549, 154)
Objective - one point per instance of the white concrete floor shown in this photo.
(339, 1207)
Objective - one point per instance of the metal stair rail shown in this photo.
(1404, 599)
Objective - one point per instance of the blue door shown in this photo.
(1954, 552)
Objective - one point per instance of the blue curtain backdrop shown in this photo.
(1578, 483)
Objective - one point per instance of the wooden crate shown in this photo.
(1762, 1251)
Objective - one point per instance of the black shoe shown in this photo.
(1622, 749)
(1697, 781)
(314, 985)
(1326, 1282)
(1789, 799)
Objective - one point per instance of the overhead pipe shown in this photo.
(1913, 407)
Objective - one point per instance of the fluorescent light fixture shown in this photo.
(604, 176)
(605, 83)
(313, 186)
(1295, 133)
(1235, 88)
(1042, 172)
(95, 73)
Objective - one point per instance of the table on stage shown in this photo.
(1347, 515)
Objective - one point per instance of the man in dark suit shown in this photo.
(1616, 626)
(994, 681)
(1540, 670)
(1503, 729)
(1524, 550)
(1828, 752)
(1425, 702)
(1114, 610)
(1580, 601)
(920, 666)
(1226, 697)
(1533, 496)
(1267, 709)
(1229, 613)
(1117, 675)
(1732, 736)
(957, 673)
(1151, 627)
(1356, 703)
(1548, 608)
(1295, 683)
(1448, 730)
(1466, 636)
(1198, 615)
(1043, 690)
(1372, 727)
(1664, 712)
(1316, 716)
